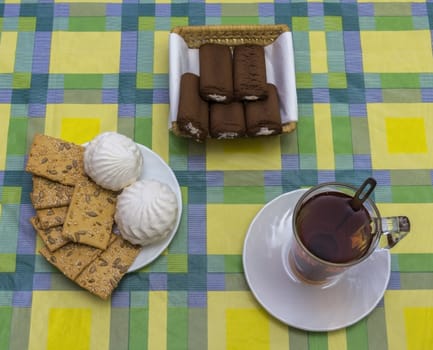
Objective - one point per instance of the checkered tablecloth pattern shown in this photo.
(73, 69)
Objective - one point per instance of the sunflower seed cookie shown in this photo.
(72, 258)
(102, 276)
(51, 217)
(49, 194)
(52, 237)
(90, 215)
(56, 159)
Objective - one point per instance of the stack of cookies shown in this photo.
(75, 217)
(231, 98)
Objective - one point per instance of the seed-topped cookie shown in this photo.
(49, 194)
(72, 258)
(52, 237)
(105, 272)
(51, 217)
(90, 215)
(56, 159)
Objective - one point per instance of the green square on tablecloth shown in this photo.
(87, 24)
(7, 263)
(394, 23)
(17, 133)
(400, 80)
(179, 21)
(241, 194)
(304, 80)
(6, 313)
(306, 135)
(80, 81)
(412, 194)
(337, 80)
(144, 80)
(233, 263)
(26, 24)
(143, 131)
(146, 23)
(333, 23)
(341, 130)
(177, 263)
(21, 80)
(301, 24)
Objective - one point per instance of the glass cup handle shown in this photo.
(395, 228)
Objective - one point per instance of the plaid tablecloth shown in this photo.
(364, 74)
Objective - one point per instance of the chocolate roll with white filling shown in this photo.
(193, 111)
(263, 116)
(216, 73)
(249, 72)
(227, 121)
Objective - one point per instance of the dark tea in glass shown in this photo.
(332, 230)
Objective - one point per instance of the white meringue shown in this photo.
(113, 161)
(146, 212)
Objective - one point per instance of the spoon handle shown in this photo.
(362, 193)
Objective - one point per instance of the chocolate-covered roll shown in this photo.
(227, 121)
(249, 72)
(263, 116)
(193, 111)
(216, 72)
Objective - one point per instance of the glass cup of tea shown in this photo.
(330, 235)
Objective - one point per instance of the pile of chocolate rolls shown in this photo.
(231, 98)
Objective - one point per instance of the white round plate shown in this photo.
(155, 168)
(301, 305)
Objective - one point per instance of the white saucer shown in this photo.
(301, 305)
(154, 167)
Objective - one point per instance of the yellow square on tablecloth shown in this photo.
(409, 315)
(54, 316)
(160, 61)
(87, 1)
(396, 51)
(400, 135)
(4, 128)
(406, 135)
(85, 52)
(227, 225)
(319, 52)
(259, 153)
(243, 321)
(69, 328)
(79, 123)
(228, 330)
(8, 45)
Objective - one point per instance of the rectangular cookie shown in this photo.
(51, 217)
(72, 258)
(102, 276)
(49, 194)
(263, 116)
(216, 72)
(90, 215)
(193, 111)
(56, 159)
(227, 121)
(249, 72)
(52, 237)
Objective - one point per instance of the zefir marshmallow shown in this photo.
(146, 212)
